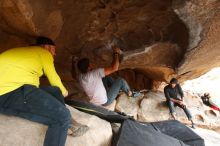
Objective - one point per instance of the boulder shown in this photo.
(153, 108)
(14, 130)
(111, 106)
(128, 105)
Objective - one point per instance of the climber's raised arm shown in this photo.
(115, 63)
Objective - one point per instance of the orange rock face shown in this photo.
(159, 39)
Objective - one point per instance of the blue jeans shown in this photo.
(113, 87)
(44, 106)
(172, 105)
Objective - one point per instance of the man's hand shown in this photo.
(182, 99)
(115, 64)
(66, 94)
(181, 103)
(117, 50)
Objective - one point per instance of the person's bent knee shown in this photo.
(65, 116)
(68, 117)
(170, 103)
(119, 79)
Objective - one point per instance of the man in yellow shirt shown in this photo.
(20, 95)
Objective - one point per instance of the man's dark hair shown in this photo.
(41, 40)
(83, 65)
(173, 81)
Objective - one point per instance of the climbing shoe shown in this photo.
(136, 94)
(76, 129)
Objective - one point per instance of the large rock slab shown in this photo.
(20, 132)
(160, 39)
(153, 108)
(128, 105)
(202, 19)
(111, 106)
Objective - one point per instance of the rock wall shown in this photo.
(203, 20)
(160, 39)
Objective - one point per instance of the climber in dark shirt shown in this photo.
(175, 97)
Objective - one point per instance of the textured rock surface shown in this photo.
(160, 39)
(111, 106)
(128, 105)
(153, 108)
(15, 130)
(203, 20)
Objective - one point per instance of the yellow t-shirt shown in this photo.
(26, 65)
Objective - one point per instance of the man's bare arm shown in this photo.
(115, 64)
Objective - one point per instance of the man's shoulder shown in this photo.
(42, 52)
(30, 47)
(23, 50)
(39, 49)
(98, 71)
(167, 87)
(178, 86)
(90, 74)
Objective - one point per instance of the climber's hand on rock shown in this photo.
(117, 50)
